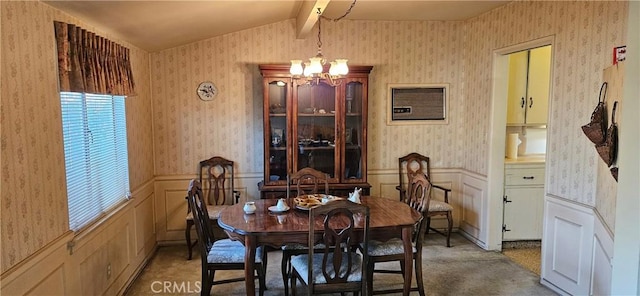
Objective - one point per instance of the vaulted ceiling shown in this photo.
(158, 25)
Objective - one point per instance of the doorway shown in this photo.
(498, 139)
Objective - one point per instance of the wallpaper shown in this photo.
(585, 33)
(187, 130)
(170, 129)
(33, 205)
(458, 53)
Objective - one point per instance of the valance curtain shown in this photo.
(88, 63)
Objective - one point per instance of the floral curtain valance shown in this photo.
(89, 63)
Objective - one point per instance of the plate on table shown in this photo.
(310, 201)
(275, 209)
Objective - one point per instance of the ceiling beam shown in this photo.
(308, 16)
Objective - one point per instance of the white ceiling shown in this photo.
(158, 25)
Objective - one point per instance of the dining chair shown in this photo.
(222, 254)
(418, 196)
(337, 267)
(413, 164)
(216, 174)
(306, 181)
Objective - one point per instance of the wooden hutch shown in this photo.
(315, 123)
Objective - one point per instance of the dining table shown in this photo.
(389, 218)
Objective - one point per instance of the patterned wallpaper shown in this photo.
(459, 53)
(585, 34)
(33, 205)
(188, 130)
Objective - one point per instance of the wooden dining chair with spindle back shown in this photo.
(305, 181)
(414, 164)
(417, 196)
(337, 267)
(217, 176)
(221, 254)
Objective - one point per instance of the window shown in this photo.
(95, 150)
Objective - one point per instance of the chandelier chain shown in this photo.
(319, 29)
(341, 17)
(312, 72)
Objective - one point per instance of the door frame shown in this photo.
(497, 134)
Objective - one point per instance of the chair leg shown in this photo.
(418, 268)
(428, 225)
(370, 267)
(402, 268)
(264, 268)
(187, 235)
(449, 226)
(261, 279)
(207, 280)
(293, 285)
(286, 257)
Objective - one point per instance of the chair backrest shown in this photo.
(345, 225)
(308, 180)
(216, 175)
(418, 197)
(408, 167)
(197, 205)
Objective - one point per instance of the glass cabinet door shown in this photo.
(315, 128)
(354, 143)
(277, 131)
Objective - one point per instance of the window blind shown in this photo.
(95, 148)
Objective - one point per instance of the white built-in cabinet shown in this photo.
(523, 201)
(528, 93)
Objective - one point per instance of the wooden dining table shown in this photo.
(389, 218)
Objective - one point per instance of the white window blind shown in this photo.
(95, 149)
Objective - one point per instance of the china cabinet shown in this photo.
(528, 93)
(316, 123)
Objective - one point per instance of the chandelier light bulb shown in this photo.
(333, 70)
(342, 68)
(307, 70)
(315, 65)
(296, 67)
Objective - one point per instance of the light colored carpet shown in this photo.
(463, 269)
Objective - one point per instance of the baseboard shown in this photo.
(138, 271)
(553, 287)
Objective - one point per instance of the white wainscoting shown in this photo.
(473, 208)
(171, 205)
(577, 249)
(102, 261)
(384, 182)
(602, 258)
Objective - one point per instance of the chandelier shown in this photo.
(313, 70)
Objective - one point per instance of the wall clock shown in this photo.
(207, 91)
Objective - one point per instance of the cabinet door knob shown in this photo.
(522, 102)
(530, 102)
(528, 178)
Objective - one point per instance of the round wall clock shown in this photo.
(207, 91)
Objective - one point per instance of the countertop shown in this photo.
(531, 158)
